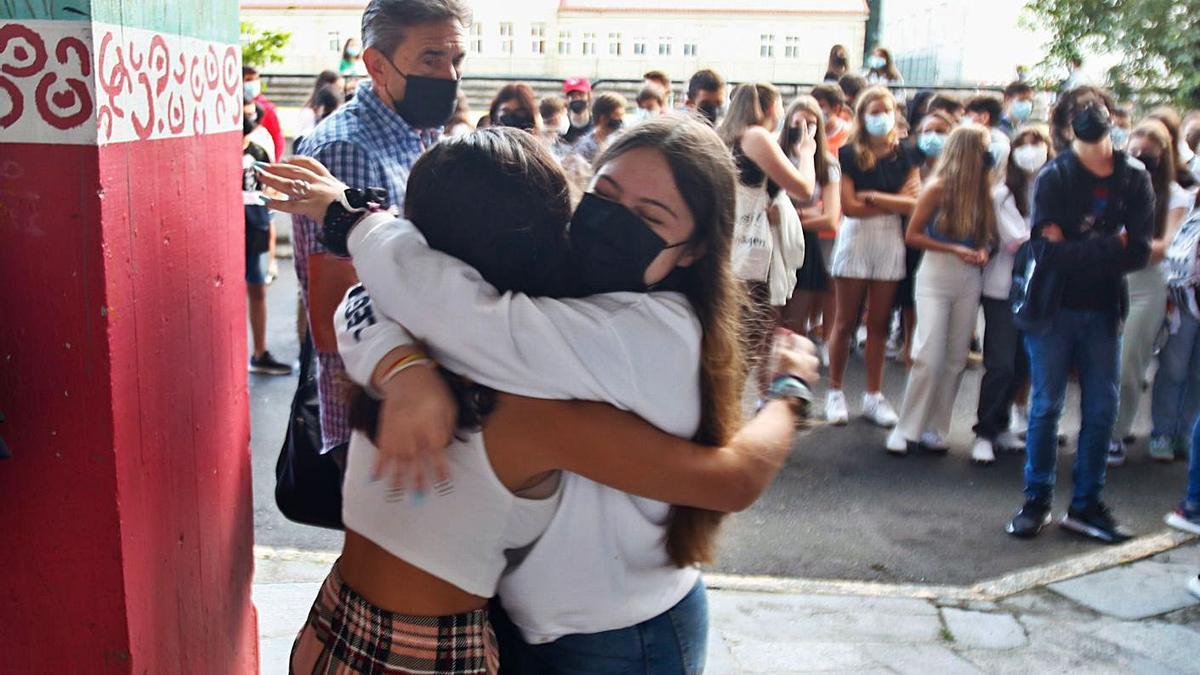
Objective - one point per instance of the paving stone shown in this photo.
(1041, 602)
(922, 660)
(1136, 591)
(771, 656)
(1184, 555)
(272, 571)
(1025, 661)
(282, 608)
(984, 630)
(273, 655)
(1176, 647)
(826, 619)
(719, 658)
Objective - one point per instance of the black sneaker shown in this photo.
(267, 365)
(1030, 520)
(1116, 453)
(1095, 521)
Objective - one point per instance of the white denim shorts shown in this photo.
(869, 248)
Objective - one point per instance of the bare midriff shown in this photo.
(391, 584)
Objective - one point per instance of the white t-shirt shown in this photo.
(601, 563)
(1014, 229)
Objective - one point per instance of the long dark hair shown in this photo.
(839, 62)
(526, 102)
(327, 78)
(1065, 108)
(1163, 175)
(705, 175)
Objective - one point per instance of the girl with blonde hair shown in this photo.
(955, 223)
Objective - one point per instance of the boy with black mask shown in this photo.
(578, 92)
(1094, 209)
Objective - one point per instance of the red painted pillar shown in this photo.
(125, 512)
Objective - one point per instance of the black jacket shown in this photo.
(1092, 261)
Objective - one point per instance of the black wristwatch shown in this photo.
(345, 212)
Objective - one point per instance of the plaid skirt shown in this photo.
(346, 634)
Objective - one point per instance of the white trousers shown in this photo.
(947, 293)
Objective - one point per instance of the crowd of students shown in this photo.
(594, 283)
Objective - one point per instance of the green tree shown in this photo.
(1158, 41)
(260, 48)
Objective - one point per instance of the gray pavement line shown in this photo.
(991, 589)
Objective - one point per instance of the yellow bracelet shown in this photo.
(414, 359)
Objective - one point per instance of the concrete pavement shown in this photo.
(1130, 618)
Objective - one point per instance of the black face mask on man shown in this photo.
(578, 106)
(428, 101)
(516, 118)
(1091, 123)
(611, 247)
(709, 111)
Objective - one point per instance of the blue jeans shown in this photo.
(1193, 488)
(1175, 400)
(1086, 341)
(672, 643)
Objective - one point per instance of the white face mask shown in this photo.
(564, 125)
(1030, 157)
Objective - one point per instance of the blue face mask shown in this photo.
(931, 143)
(876, 61)
(1120, 137)
(1021, 110)
(880, 124)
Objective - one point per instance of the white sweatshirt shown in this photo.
(601, 563)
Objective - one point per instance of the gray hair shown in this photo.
(384, 21)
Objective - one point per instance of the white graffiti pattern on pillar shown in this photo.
(136, 85)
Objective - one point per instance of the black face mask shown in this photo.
(428, 101)
(614, 124)
(708, 110)
(518, 118)
(1091, 124)
(1151, 162)
(578, 106)
(611, 247)
(249, 124)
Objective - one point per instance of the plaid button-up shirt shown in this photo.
(364, 144)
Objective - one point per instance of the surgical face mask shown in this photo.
(642, 114)
(428, 101)
(876, 61)
(931, 143)
(880, 124)
(251, 90)
(611, 247)
(352, 52)
(564, 125)
(1031, 157)
(709, 110)
(516, 118)
(1120, 137)
(1091, 124)
(1021, 110)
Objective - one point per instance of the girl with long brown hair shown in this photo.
(1002, 413)
(820, 213)
(955, 223)
(666, 190)
(879, 185)
(1152, 143)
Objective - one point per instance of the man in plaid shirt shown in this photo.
(413, 53)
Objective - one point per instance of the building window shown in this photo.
(589, 44)
(335, 41)
(614, 44)
(689, 49)
(639, 46)
(506, 37)
(791, 47)
(537, 38)
(766, 46)
(564, 43)
(664, 46)
(477, 38)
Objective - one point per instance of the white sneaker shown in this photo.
(878, 411)
(1018, 421)
(1010, 442)
(835, 408)
(932, 440)
(982, 453)
(897, 444)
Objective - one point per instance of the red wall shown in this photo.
(129, 493)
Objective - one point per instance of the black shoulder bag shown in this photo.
(308, 484)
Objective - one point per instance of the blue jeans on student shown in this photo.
(1175, 401)
(672, 643)
(1088, 342)
(1193, 489)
